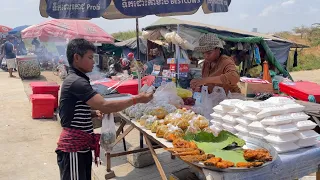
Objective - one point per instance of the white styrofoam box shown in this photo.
(294, 108)
(229, 119)
(247, 106)
(282, 129)
(242, 129)
(272, 111)
(308, 134)
(305, 125)
(243, 121)
(229, 103)
(280, 100)
(235, 112)
(258, 134)
(216, 122)
(286, 147)
(300, 116)
(216, 115)
(280, 139)
(251, 116)
(229, 127)
(239, 134)
(307, 142)
(277, 120)
(257, 125)
(220, 109)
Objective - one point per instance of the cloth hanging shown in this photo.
(257, 54)
(295, 58)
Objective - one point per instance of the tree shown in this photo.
(301, 30)
(125, 35)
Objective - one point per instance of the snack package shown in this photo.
(200, 121)
(155, 126)
(143, 119)
(160, 112)
(173, 133)
(149, 122)
(192, 129)
(172, 118)
(161, 130)
(182, 123)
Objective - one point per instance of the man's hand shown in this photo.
(144, 97)
(196, 83)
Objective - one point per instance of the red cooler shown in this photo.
(44, 87)
(302, 90)
(127, 87)
(42, 105)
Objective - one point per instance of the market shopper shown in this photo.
(157, 60)
(77, 100)
(10, 55)
(218, 69)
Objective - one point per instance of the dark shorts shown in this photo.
(74, 165)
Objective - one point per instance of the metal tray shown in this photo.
(251, 143)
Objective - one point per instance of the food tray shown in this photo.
(251, 143)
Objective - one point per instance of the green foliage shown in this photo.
(125, 35)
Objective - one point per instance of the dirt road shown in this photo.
(307, 75)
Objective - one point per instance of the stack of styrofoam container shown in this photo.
(278, 120)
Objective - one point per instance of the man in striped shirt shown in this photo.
(76, 103)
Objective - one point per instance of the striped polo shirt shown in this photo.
(73, 110)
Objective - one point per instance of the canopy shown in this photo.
(120, 9)
(68, 29)
(4, 29)
(18, 29)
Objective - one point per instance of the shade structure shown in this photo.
(18, 29)
(67, 30)
(120, 9)
(4, 29)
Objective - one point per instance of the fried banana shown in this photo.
(212, 161)
(186, 153)
(181, 143)
(178, 150)
(249, 164)
(194, 158)
(257, 155)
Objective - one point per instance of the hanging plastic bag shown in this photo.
(208, 101)
(108, 132)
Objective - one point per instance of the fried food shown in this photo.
(161, 130)
(193, 152)
(257, 155)
(179, 149)
(219, 163)
(212, 161)
(194, 158)
(172, 135)
(249, 164)
(210, 156)
(181, 143)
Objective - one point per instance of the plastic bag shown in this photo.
(108, 132)
(208, 101)
(167, 93)
(184, 93)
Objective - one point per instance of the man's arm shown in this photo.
(83, 91)
(99, 103)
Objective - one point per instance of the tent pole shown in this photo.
(137, 35)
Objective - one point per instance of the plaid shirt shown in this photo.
(73, 140)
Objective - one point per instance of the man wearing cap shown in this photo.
(158, 60)
(218, 69)
(10, 55)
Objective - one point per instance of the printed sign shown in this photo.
(218, 5)
(77, 9)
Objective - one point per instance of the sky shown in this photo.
(268, 16)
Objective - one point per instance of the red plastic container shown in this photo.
(301, 90)
(43, 87)
(42, 105)
(127, 87)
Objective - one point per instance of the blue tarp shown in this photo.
(84, 9)
(18, 29)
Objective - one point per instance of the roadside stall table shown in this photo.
(290, 165)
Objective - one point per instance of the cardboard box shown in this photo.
(250, 89)
(174, 61)
(182, 67)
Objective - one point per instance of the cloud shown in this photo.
(269, 9)
(243, 16)
(289, 2)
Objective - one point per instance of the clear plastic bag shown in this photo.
(108, 132)
(168, 93)
(208, 101)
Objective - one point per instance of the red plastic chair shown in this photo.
(148, 80)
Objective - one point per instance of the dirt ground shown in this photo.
(312, 76)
